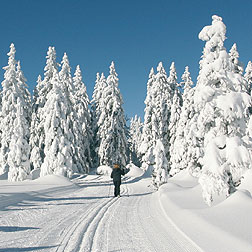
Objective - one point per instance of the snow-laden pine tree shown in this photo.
(160, 171)
(9, 95)
(162, 102)
(25, 94)
(19, 150)
(82, 124)
(173, 82)
(14, 94)
(234, 56)
(174, 124)
(96, 109)
(135, 139)
(37, 140)
(248, 76)
(220, 121)
(147, 140)
(157, 115)
(112, 124)
(181, 156)
(58, 133)
(35, 158)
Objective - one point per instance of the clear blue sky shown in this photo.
(135, 34)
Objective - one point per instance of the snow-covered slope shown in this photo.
(224, 227)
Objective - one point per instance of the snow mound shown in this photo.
(246, 182)
(240, 197)
(53, 180)
(185, 179)
(135, 171)
(104, 170)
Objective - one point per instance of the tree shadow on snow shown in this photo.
(14, 229)
(25, 249)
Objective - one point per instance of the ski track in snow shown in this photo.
(88, 218)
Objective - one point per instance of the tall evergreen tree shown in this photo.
(96, 110)
(234, 56)
(181, 156)
(83, 134)
(37, 141)
(173, 82)
(147, 140)
(221, 105)
(157, 115)
(14, 121)
(173, 124)
(112, 124)
(36, 160)
(18, 157)
(24, 92)
(58, 133)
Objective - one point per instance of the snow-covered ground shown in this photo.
(81, 214)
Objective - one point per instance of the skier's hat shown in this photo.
(116, 165)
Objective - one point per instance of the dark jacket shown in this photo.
(116, 174)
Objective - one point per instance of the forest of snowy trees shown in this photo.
(204, 127)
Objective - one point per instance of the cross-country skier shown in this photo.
(116, 176)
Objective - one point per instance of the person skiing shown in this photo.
(116, 176)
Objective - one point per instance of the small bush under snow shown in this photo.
(104, 170)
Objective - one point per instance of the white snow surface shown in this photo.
(54, 213)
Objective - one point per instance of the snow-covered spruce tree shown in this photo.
(234, 56)
(58, 135)
(37, 140)
(19, 149)
(160, 171)
(173, 124)
(157, 115)
(147, 140)
(73, 121)
(248, 77)
(173, 82)
(96, 109)
(14, 92)
(135, 139)
(25, 94)
(82, 126)
(35, 157)
(219, 124)
(181, 157)
(112, 124)
(162, 102)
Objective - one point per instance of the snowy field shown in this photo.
(57, 214)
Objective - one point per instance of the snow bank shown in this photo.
(184, 178)
(246, 182)
(53, 180)
(135, 171)
(225, 227)
(104, 170)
